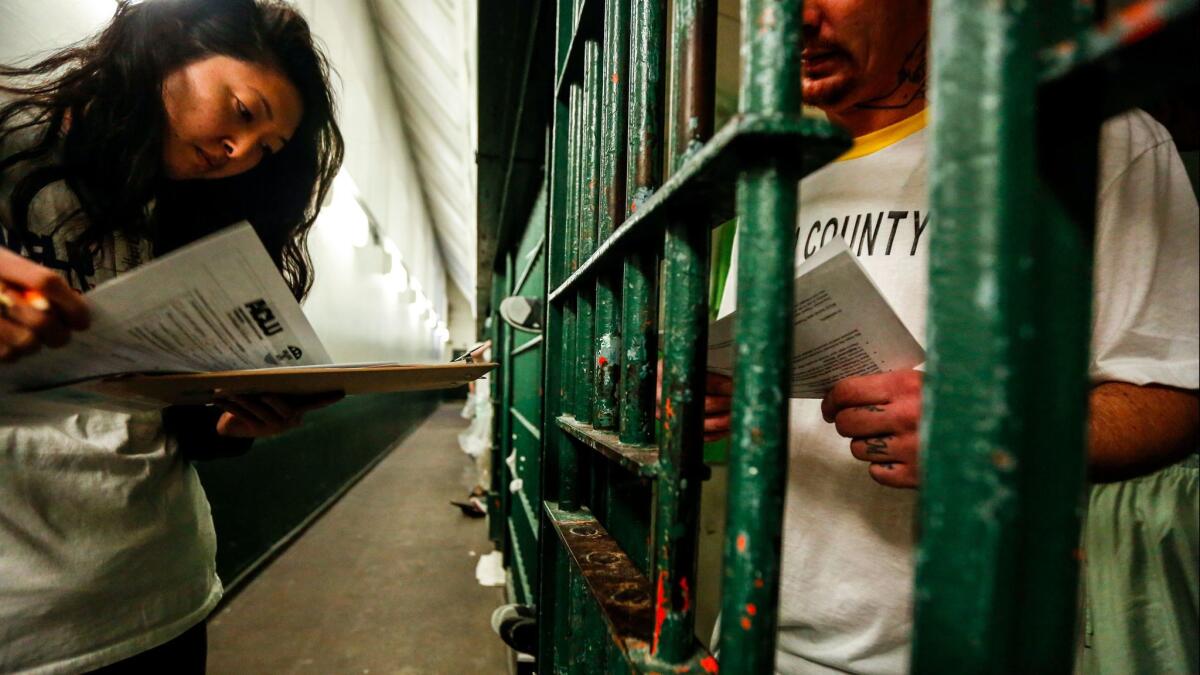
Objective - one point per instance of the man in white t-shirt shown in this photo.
(847, 576)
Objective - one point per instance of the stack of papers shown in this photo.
(842, 326)
(217, 316)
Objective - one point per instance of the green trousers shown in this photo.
(1141, 594)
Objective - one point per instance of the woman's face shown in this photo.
(224, 116)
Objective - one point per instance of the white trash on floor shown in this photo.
(489, 571)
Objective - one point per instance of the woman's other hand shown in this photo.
(38, 308)
(258, 415)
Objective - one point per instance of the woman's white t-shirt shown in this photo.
(106, 539)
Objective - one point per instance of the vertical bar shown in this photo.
(614, 80)
(767, 205)
(568, 461)
(685, 252)
(643, 176)
(547, 592)
(1004, 429)
(585, 327)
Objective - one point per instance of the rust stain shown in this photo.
(709, 664)
(670, 412)
(758, 583)
(766, 20)
(751, 608)
(660, 609)
(687, 594)
(741, 543)
(1142, 20)
(745, 623)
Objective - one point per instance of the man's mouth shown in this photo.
(819, 62)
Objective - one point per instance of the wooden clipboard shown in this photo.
(200, 388)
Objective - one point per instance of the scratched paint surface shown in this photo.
(766, 204)
(1005, 393)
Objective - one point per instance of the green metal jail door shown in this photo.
(638, 176)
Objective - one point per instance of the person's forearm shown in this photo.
(1135, 430)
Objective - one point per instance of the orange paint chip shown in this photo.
(709, 664)
(745, 623)
(751, 608)
(687, 594)
(758, 583)
(601, 361)
(615, 78)
(741, 543)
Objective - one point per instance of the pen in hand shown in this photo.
(37, 307)
(30, 297)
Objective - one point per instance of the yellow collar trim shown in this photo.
(878, 140)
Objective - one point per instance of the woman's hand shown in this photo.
(880, 414)
(258, 415)
(37, 308)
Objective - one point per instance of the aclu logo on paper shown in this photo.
(264, 317)
(289, 353)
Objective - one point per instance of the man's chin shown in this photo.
(825, 92)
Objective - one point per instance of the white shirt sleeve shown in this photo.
(1145, 310)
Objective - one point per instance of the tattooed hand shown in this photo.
(879, 414)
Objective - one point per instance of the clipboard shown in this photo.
(201, 388)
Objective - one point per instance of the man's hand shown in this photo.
(255, 416)
(718, 399)
(880, 414)
(37, 308)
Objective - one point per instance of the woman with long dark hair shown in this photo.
(180, 118)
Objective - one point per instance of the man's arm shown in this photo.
(1135, 430)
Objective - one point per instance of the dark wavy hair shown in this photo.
(110, 89)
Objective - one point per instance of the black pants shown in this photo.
(185, 655)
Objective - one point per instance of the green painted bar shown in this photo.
(611, 207)
(685, 291)
(767, 210)
(585, 326)
(982, 154)
(1003, 437)
(496, 519)
(581, 647)
(643, 175)
(505, 446)
(568, 465)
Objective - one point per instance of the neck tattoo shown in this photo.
(910, 82)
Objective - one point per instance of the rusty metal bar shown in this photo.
(585, 326)
(643, 175)
(685, 259)
(611, 207)
(767, 210)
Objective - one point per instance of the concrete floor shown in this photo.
(383, 582)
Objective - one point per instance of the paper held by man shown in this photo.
(214, 315)
(842, 326)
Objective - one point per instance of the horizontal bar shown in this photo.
(1133, 24)
(589, 23)
(702, 190)
(638, 459)
(537, 253)
(537, 433)
(622, 592)
(537, 340)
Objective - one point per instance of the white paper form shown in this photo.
(842, 326)
(216, 304)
